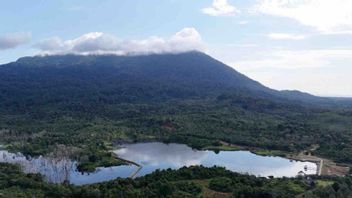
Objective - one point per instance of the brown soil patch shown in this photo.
(169, 126)
(330, 168)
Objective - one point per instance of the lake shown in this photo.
(156, 155)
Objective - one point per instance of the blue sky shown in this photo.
(284, 44)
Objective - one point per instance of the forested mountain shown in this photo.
(63, 81)
(189, 97)
(99, 80)
(121, 78)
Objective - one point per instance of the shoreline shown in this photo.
(313, 159)
(325, 167)
(319, 163)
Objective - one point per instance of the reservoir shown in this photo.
(155, 155)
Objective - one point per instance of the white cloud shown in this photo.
(285, 36)
(324, 15)
(221, 8)
(338, 32)
(317, 71)
(291, 59)
(316, 81)
(242, 45)
(14, 40)
(188, 39)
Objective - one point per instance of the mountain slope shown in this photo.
(73, 79)
(128, 79)
(86, 101)
(191, 69)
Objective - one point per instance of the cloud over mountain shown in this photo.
(188, 39)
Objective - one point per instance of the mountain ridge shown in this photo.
(190, 70)
(189, 98)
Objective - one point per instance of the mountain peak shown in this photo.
(157, 76)
(192, 71)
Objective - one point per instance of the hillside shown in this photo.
(86, 102)
(156, 77)
(97, 80)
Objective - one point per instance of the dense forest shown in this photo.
(79, 106)
(87, 102)
(185, 182)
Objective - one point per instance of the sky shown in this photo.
(301, 45)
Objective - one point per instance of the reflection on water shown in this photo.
(55, 170)
(60, 170)
(102, 174)
(160, 154)
(152, 156)
(155, 155)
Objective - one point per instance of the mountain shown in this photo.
(86, 101)
(108, 78)
(192, 70)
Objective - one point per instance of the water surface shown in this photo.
(155, 155)
(152, 156)
(60, 170)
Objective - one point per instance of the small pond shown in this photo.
(155, 155)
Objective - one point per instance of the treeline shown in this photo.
(198, 123)
(86, 102)
(185, 182)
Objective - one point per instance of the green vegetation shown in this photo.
(185, 182)
(221, 184)
(324, 183)
(198, 123)
(78, 106)
(85, 102)
(92, 158)
(270, 152)
(222, 148)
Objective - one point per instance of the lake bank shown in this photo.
(326, 167)
(145, 158)
(155, 155)
(232, 157)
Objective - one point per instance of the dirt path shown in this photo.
(320, 168)
(325, 166)
(134, 174)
